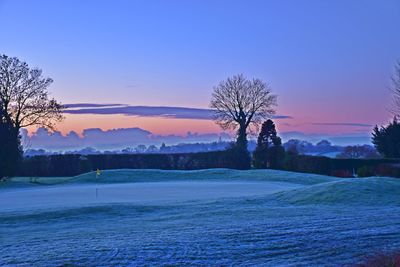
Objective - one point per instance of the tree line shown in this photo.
(239, 104)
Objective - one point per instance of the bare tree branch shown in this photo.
(24, 96)
(396, 90)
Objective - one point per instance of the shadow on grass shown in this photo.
(381, 259)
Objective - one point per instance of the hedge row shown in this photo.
(70, 165)
(342, 167)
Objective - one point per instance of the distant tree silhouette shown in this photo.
(269, 152)
(239, 103)
(358, 152)
(24, 102)
(292, 149)
(387, 139)
(324, 143)
(140, 149)
(152, 149)
(164, 148)
(396, 90)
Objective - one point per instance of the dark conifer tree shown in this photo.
(276, 154)
(387, 139)
(10, 147)
(269, 151)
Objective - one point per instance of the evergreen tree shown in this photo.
(10, 147)
(269, 152)
(276, 154)
(387, 139)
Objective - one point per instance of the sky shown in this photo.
(329, 62)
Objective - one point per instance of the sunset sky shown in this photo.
(329, 62)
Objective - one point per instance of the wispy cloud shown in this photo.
(91, 105)
(350, 124)
(282, 117)
(146, 111)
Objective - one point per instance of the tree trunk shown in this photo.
(241, 140)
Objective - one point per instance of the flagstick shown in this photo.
(97, 181)
(97, 177)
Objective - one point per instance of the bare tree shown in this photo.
(239, 103)
(396, 90)
(358, 152)
(24, 96)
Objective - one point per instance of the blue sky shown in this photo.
(328, 61)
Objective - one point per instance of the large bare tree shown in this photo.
(239, 103)
(24, 98)
(396, 90)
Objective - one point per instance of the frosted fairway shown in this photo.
(202, 218)
(153, 193)
(145, 187)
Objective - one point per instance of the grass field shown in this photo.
(217, 216)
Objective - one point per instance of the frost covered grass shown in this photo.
(74, 195)
(147, 175)
(206, 217)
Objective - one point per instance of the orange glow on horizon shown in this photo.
(171, 126)
(156, 125)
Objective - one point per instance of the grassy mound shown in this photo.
(374, 190)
